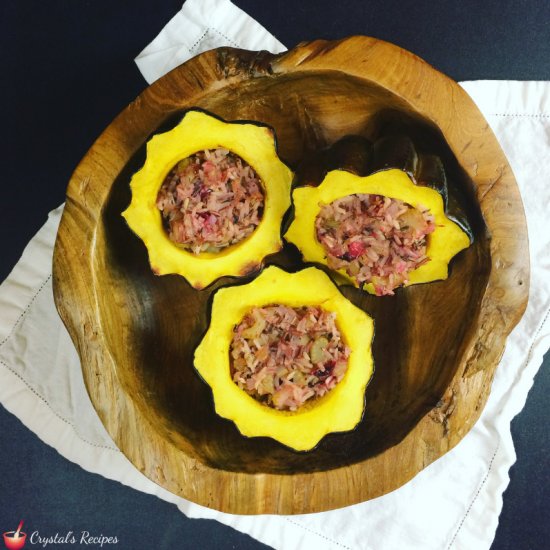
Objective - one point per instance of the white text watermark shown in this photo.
(83, 538)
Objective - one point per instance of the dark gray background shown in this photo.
(67, 70)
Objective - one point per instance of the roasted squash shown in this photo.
(339, 410)
(445, 242)
(197, 131)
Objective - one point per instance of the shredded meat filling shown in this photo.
(375, 239)
(210, 200)
(285, 356)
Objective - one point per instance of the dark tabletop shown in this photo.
(67, 70)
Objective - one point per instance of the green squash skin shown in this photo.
(426, 170)
(360, 156)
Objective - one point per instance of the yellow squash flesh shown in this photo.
(445, 242)
(198, 131)
(339, 410)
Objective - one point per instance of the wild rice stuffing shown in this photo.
(210, 200)
(284, 356)
(374, 239)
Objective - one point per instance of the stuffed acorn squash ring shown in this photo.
(210, 199)
(322, 328)
(380, 231)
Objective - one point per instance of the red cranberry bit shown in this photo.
(210, 200)
(375, 239)
(284, 356)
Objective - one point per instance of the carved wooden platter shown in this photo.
(436, 346)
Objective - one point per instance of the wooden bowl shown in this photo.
(436, 345)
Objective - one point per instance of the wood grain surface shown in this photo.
(436, 345)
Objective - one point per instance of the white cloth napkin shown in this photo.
(455, 502)
(202, 25)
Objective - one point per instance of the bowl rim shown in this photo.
(502, 305)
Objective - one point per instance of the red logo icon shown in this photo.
(15, 540)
